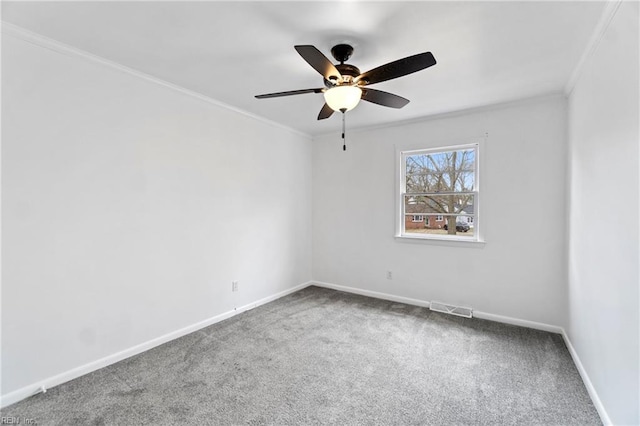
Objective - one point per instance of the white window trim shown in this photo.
(478, 238)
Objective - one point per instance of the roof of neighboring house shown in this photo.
(469, 208)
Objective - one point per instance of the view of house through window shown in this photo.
(440, 187)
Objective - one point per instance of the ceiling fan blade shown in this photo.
(325, 112)
(319, 62)
(398, 68)
(289, 93)
(383, 98)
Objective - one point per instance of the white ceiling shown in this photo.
(487, 52)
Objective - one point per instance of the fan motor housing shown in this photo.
(348, 72)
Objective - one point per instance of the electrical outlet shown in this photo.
(389, 275)
(234, 285)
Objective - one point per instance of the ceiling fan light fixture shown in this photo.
(341, 98)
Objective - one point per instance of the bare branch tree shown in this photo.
(439, 182)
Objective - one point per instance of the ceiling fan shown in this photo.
(345, 85)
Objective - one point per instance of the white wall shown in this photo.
(128, 208)
(521, 270)
(603, 242)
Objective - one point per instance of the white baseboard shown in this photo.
(587, 382)
(271, 298)
(517, 321)
(426, 303)
(27, 391)
(374, 294)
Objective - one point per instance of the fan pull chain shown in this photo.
(344, 140)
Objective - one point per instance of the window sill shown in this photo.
(451, 242)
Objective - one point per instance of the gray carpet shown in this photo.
(320, 356)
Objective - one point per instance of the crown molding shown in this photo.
(456, 113)
(608, 12)
(59, 47)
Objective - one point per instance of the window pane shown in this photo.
(440, 192)
(442, 227)
(439, 204)
(449, 171)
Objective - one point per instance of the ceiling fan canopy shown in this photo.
(345, 85)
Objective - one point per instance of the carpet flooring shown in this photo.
(320, 356)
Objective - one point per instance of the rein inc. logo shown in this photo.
(10, 420)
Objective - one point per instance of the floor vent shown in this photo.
(451, 309)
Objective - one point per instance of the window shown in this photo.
(417, 218)
(441, 184)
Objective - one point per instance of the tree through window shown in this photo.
(440, 184)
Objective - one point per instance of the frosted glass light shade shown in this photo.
(343, 97)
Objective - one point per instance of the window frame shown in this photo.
(401, 193)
